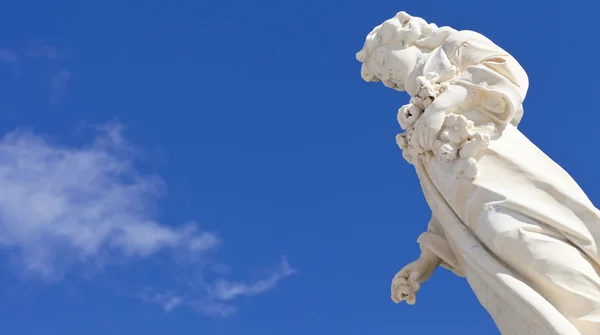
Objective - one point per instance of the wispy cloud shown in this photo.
(63, 207)
(59, 86)
(51, 57)
(216, 309)
(8, 56)
(11, 60)
(47, 51)
(225, 290)
(168, 301)
(216, 299)
(171, 303)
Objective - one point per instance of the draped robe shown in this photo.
(523, 233)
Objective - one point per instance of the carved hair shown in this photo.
(404, 31)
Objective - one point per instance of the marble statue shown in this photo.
(504, 215)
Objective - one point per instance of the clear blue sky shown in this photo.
(219, 167)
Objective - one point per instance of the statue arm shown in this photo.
(435, 251)
(492, 78)
(489, 80)
(435, 247)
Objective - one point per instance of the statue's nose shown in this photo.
(366, 74)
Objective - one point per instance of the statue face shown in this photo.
(391, 64)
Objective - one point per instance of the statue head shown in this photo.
(393, 49)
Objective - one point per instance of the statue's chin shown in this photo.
(393, 84)
(400, 88)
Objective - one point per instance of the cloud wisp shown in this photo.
(217, 298)
(168, 301)
(225, 290)
(63, 207)
(53, 58)
(8, 56)
(45, 51)
(59, 86)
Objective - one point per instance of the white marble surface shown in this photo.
(504, 215)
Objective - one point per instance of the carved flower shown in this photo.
(428, 101)
(408, 115)
(402, 141)
(428, 93)
(457, 129)
(468, 168)
(418, 102)
(447, 151)
(433, 84)
(478, 142)
(429, 90)
(428, 79)
(444, 86)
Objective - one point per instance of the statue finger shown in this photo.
(411, 299)
(414, 286)
(398, 282)
(404, 273)
(403, 292)
(400, 288)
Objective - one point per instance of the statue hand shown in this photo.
(407, 281)
(403, 288)
(427, 128)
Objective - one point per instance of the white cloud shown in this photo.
(53, 58)
(59, 86)
(216, 299)
(168, 301)
(47, 51)
(171, 303)
(225, 290)
(63, 206)
(8, 56)
(217, 309)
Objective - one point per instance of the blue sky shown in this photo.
(196, 167)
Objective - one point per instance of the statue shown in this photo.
(504, 215)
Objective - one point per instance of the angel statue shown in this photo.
(504, 215)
